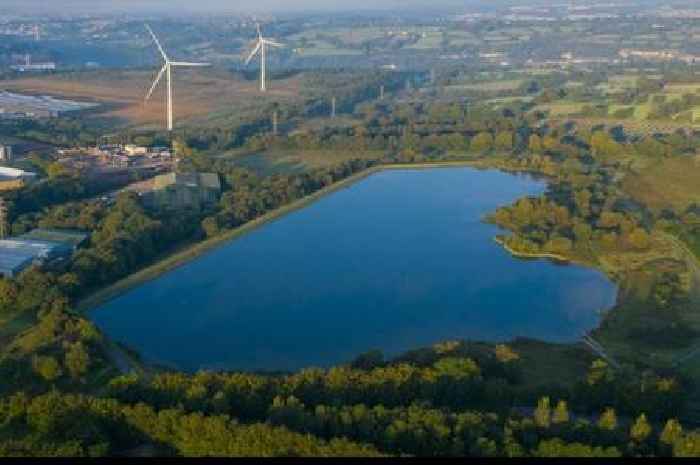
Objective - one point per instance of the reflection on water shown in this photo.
(397, 261)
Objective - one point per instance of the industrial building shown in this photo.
(18, 254)
(183, 190)
(74, 239)
(38, 247)
(5, 153)
(11, 178)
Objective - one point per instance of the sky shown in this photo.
(95, 6)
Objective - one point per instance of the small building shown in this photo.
(183, 190)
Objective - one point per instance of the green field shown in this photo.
(562, 108)
(297, 161)
(666, 183)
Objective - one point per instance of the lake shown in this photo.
(397, 261)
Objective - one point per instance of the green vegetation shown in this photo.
(622, 197)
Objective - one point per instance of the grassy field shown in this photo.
(197, 94)
(666, 183)
(297, 161)
(562, 108)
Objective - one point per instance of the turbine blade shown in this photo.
(257, 25)
(185, 63)
(155, 83)
(274, 44)
(155, 39)
(254, 52)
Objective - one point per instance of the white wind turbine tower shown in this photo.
(167, 70)
(260, 46)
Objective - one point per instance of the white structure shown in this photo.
(13, 173)
(133, 150)
(260, 46)
(5, 153)
(167, 69)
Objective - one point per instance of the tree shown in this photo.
(543, 413)
(583, 202)
(640, 429)
(535, 143)
(602, 145)
(610, 220)
(608, 420)
(47, 367)
(688, 445)
(671, 433)
(639, 239)
(457, 368)
(561, 413)
(8, 294)
(504, 141)
(505, 354)
(583, 232)
(558, 448)
(77, 360)
(482, 142)
(57, 170)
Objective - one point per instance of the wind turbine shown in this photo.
(260, 46)
(167, 70)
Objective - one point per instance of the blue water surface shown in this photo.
(397, 261)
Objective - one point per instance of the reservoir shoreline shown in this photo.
(192, 251)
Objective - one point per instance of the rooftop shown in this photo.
(73, 238)
(18, 254)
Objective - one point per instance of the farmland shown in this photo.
(199, 95)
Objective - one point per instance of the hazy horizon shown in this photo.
(103, 6)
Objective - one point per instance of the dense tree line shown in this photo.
(424, 409)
